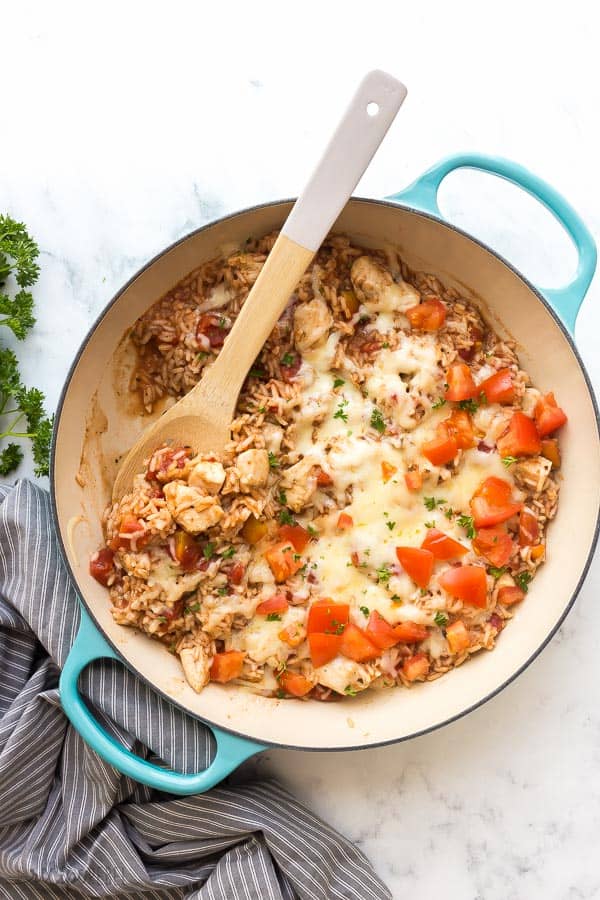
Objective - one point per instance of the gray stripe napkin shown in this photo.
(71, 826)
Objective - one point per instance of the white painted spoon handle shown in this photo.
(349, 152)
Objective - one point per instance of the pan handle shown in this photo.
(422, 195)
(89, 645)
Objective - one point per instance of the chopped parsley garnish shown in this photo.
(338, 382)
(282, 497)
(365, 611)
(227, 554)
(202, 355)
(377, 421)
(280, 694)
(440, 619)
(385, 345)
(162, 619)
(222, 323)
(288, 359)
(208, 551)
(432, 502)
(222, 591)
(273, 461)
(286, 518)
(467, 523)
(441, 401)
(523, 579)
(391, 525)
(262, 409)
(312, 530)
(383, 574)
(448, 513)
(350, 691)
(256, 372)
(429, 524)
(193, 608)
(273, 617)
(508, 460)
(396, 599)
(470, 405)
(340, 412)
(496, 571)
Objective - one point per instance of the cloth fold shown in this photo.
(72, 826)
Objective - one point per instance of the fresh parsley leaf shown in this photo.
(18, 253)
(365, 611)
(470, 405)
(286, 518)
(523, 579)
(273, 617)
(441, 401)
(440, 619)
(194, 607)
(448, 513)
(208, 551)
(432, 502)
(396, 599)
(508, 460)
(282, 497)
(10, 458)
(288, 359)
(429, 524)
(312, 530)
(227, 554)
(340, 412)
(273, 461)
(338, 382)
(467, 523)
(222, 591)
(391, 525)
(377, 421)
(256, 372)
(350, 691)
(383, 574)
(496, 571)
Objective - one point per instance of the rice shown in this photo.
(190, 552)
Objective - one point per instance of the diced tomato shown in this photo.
(417, 563)
(226, 665)
(529, 529)
(357, 646)
(327, 617)
(102, 565)
(495, 544)
(492, 502)
(295, 535)
(214, 328)
(185, 550)
(275, 604)
(282, 560)
(415, 667)
(323, 647)
(291, 367)
(345, 521)
(551, 451)
(442, 546)
(293, 634)
(132, 533)
(461, 385)
(410, 632)
(457, 636)
(236, 573)
(549, 416)
(459, 425)
(380, 632)
(387, 470)
(467, 583)
(413, 480)
(324, 479)
(441, 449)
(254, 530)
(510, 594)
(521, 438)
(498, 388)
(428, 315)
(295, 684)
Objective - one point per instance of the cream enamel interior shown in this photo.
(98, 421)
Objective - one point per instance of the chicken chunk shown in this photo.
(532, 473)
(208, 475)
(300, 483)
(195, 662)
(312, 322)
(191, 508)
(375, 287)
(343, 675)
(253, 469)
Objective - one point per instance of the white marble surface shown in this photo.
(126, 125)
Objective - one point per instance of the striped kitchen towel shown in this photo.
(71, 826)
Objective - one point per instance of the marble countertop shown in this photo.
(125, 126)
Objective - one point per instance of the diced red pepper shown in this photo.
(387, 470)
(324, 479)
(276, 604)
(295, 684)
(413, 480)
(457, 636)
(417, 563)
(429, 315)
(345, 522)
(226, 666)
(410, 632)
(415, 667)
(551, 451)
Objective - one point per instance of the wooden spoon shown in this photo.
(202, 419)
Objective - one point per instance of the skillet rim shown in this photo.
(279, 744)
